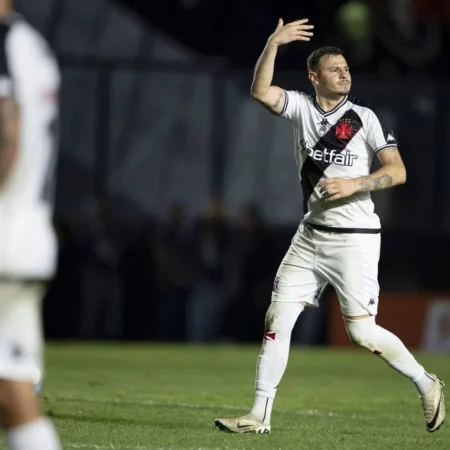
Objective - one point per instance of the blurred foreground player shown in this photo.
(29, 83)
(338, 241)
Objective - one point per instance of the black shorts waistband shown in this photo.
(313, 226)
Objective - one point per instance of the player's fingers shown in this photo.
(280, 23)
(304, 27)
(329, 183)
(325, 189)
(329, 192)
(333, 198)
(298, 22)
(301, 36)
(305, 33)
(326, 181)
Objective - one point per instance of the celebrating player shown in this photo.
(338, 240)
(29, 83)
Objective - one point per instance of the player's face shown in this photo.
(333, 77)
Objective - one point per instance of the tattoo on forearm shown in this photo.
(277, 103)
(383, 182)
(368, 184)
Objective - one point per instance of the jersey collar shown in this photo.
(326, 114)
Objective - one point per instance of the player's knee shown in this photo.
(361, 331)
(281, 317)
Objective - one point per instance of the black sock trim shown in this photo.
(265, 409)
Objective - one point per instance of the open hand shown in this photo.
(294, 31)
(335, 188)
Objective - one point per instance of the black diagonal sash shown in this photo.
(312, 170)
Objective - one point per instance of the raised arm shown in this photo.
(273, 97)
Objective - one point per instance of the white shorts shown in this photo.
(20, 331)
(349, 262)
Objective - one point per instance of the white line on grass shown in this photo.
(139, 447)
(120, 401)
(106, 447)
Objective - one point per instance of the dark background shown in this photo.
(178, 194)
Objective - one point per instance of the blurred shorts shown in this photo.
(349, 262)
(21, 334)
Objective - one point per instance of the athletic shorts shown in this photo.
(347, 261)
(21, 334)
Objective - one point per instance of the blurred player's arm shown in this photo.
(9, 135)
(391, 174)
(273, 97)
(9, 113)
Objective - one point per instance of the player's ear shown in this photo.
(313, 78)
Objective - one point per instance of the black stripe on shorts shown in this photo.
(314, 226)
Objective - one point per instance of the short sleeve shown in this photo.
(292, 105)
(379, 133)
(6, 81)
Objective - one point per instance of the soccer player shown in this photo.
(29, 84)
(338, 241)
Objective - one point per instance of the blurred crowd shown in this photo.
(205, 279)
(174, 280)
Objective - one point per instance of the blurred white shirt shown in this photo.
(29, 73)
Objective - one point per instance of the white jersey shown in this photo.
(29, 74)
(339, 143)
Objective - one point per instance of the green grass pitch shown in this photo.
(139, 397)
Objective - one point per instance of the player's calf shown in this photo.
(367, 334)
(21, 419)
(273, 359)
(270, 367)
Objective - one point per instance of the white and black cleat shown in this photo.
(245, 424)
(433, 405)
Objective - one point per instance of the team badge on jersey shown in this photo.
(344, 129)
(324, 127)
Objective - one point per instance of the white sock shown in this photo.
(36, 435)
(424, 383)
(368, 334)
(272, 361)
(263, 408)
